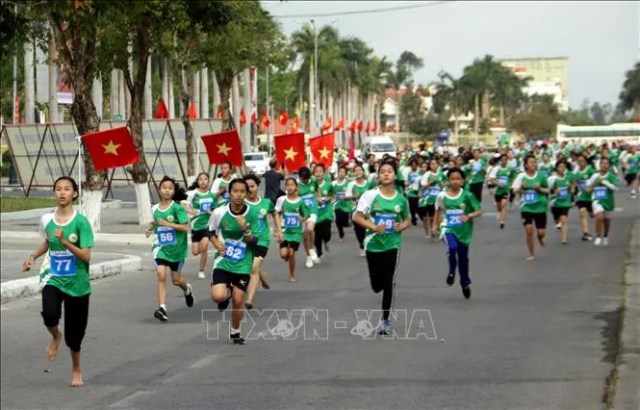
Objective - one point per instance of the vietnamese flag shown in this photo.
(161, 110)
(360, 126)
(295, 124)
(111, 148)
(290, 150)
(224, 147)
(219, 112)
(265, 119)
(327, 124)
(352, 127)
(367, 128)
(243, 117)
(352, 150)
(283, 117)
(254, 117)
(339, 125)
(192, 112)
(375, 126)
(322, 149)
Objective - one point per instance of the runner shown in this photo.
(199, 204)
(234, 233)
(632, 173)
(308, 191)
(342, 206)
(431, 184)
(263, 208)
(602, 185)
(582, 174)
(355, 189)
(412, 175)
(501, 177)
(561, 185)
(389, 217)
(325, 212)
(67, 240)
(533, 207)
(477, 167)
(220, 185)
(170, 225)
(458, 209)
(291, 213)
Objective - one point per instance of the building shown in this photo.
(548, 76)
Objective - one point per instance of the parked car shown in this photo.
(379, 146)
(257, 162)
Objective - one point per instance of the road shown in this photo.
(534, 334)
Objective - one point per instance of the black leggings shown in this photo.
(382, 269)
(323, 235)
(360, 233)
(342, 221)
(413, 208)
(76, 314)
(476, 189)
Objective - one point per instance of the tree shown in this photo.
(406, 65)
(481, 76)
(630, 95)
(453, 96)
(538, 119)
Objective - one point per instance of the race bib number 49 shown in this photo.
(166, 236)
(63, 263)
(387, 219)
(234, 250)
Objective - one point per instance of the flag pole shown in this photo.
(79, 139)
(198, 155)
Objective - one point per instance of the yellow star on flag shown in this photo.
(324, 153)
(223, 149)
(290, 154)
(111, 148)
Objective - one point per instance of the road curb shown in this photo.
(627, 390)
(37, 213)
(120, 238)
(22, 288)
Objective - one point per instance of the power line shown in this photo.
(370, 11)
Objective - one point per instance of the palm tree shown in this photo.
(508, 91)
(630, 94)
(481, 76)
(454, 94)
(406, 65)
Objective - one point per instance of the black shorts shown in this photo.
(197, 236)
(630, 178)
(260, 251)
(236, 280)
(422, 212)
(290, 244)
(174, 266)
(490, 186)
(540, 219)
(585, 204)
(500, 197)
(557, 212)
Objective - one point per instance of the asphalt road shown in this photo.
(534, 334)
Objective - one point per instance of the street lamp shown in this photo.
(315, 71)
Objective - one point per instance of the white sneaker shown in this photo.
(558, 226)
(605, 241)
(633, 195)
(318, 262)
(313, 255)
(201, 275)
(363, 253)
(309, 262)
(598, 241)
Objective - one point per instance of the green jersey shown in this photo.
(503, 177)
(325, 210)
(169, 244)
(602, 188)
(341, 203)
(428, 194)
(218, 184)
(355, 190)
(633, 164)
(453, 207)
(61, 268)
(203, 203)
(532, 200)
(614, 157)
(291, 213)
(476, 170)
(386, 210)
(238, 255)
(561, 190)
(263, 207)
(545, 168)
(309, 194)
(582, 177)
(413, 177)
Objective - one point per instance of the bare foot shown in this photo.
(292, 279)
(263, 280)
(76, 379)
(52, 350)
(530, 258)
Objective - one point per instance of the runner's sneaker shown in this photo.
(161, 314)
(605, 241)
(597, 242)
(313, 255)
(326, 247)
(558, 226)
(466, 291)
(501, 225)
(201, 275)
(451, 279)
(309, 263)
(236, 339)
(363, 253)
(188, 297)
(384, 328)
(586, 237)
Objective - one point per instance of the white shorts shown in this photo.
(311, 222)
(597, 208)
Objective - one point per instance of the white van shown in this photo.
(256, 162)
(379, 146)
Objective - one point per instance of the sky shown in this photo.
(600, 39)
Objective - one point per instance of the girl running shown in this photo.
(561, 185)
(67, 239)
(582, 174)
(291, 213)
(170, 225)
(263, 208)
(308, 191)
(431, 184)
(200, 204)
(355, 189)
(234, 228)
(501, 177)
(458, 208)
(632, 172)
(325, 211)
(602, 186)
(389, 216)
(342, 205)
(412, 176)
(477, 167)
(220, 187)
(533, 207)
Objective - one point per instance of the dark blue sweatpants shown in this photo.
(458, 254)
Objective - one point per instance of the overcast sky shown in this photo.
(601, 39)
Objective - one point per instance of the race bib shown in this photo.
(477, 167)
(600, 192)
(434, 191)
(340, 196)
(308, 200)
(502, 181)
(234, 250)
(582, 185)
(387, 219)
(529, 197)
(206, 206)
(633, 164)
(424, 193)
(413, 177)
(62, 263)
(453, 218)
(225, 195)
(261, 224)
(166, 236)
(291, 220)
(563, 192)
(322, 205)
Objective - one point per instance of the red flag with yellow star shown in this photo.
(290, 150)
(224, 147)
(322, 149)
(111, 148)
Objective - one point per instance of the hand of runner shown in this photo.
(434, 231)
(219, 247)
(242, 222)
(536, 187)
(379, 228)
(58, 234)
(27, 264)
(162, 222)
(464, 218)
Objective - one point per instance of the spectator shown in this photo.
(272, 180)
